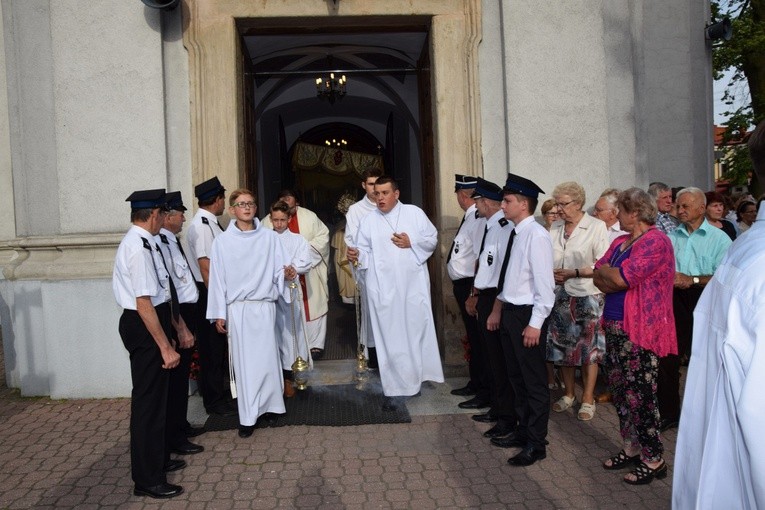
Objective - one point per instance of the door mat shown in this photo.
(327, 406)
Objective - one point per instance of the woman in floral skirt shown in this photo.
(637, 275)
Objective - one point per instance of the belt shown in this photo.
(484, 292)
(511, 306)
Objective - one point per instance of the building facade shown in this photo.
(97, 100)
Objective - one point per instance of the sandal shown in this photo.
(317, 353)
(645, 475)
(586, 411)
(620, 460)
(563, 403)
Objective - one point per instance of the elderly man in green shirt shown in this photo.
(699, 248)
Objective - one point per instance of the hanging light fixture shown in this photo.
(330, 89)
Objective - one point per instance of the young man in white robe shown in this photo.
(248, 273)
(353, 217)
(393, 245)
(290, 319)
(720, 454)
(314, 284)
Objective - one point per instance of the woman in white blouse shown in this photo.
(575, 337)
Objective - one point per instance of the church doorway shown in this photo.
(320, 104)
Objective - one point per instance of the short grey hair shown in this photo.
(695, 191)
(572, 189)
(639, 201)
(611, 195)
(657, 187)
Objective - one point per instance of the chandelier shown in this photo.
(330, 89)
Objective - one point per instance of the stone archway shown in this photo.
(215, 56)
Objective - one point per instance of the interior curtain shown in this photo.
(333, 159)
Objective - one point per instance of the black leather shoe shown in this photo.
(194, 431)
(473, 403)
(161, 491)
(372, 361)
(510, 441)
(527, 457)
(187, 448)
(228, 409)
(174, 465)
(484, 418)
(666, 424)
(465, 391)
(499, 430)
(246, 430)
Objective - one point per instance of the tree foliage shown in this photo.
(744, 54)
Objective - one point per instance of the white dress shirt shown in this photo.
(203, 229)
(464, 250)
(139, 271)
(529, 279)
(490, 259)
(178, 266)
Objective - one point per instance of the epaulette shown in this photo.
(205, 220)
(164, 239)
(146, 243)
(502, 222)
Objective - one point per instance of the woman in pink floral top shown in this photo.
(637, 275)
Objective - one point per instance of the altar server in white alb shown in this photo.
(313, 284)
(353, 217)
(393, 245)
(720, 454)
(290, 319)
(247, 276)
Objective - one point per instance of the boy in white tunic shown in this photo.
(298, 256)
(247, 276)
(393, 245)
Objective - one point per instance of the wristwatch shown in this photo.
(696, 280)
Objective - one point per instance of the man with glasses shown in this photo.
(202, 232)
(142, 287)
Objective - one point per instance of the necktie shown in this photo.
(480, 251)
(451, 250)
(180, 249)
(505, 262)
(175, 306)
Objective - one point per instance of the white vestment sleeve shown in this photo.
(425, 239)
(216, 293)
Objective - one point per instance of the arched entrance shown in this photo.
(319, 145)
(223, 109)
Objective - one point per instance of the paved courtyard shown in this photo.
(74, 454)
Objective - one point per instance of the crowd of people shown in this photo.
(616, 293)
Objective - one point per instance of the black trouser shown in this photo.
(502, 396)
(212, 357)
(478, 364)
(178, 392)
(148, 402)
(668, 383)
(528, 374)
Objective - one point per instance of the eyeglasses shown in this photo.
(561, 205)
(244, 205)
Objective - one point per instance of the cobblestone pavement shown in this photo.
(74, 454)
